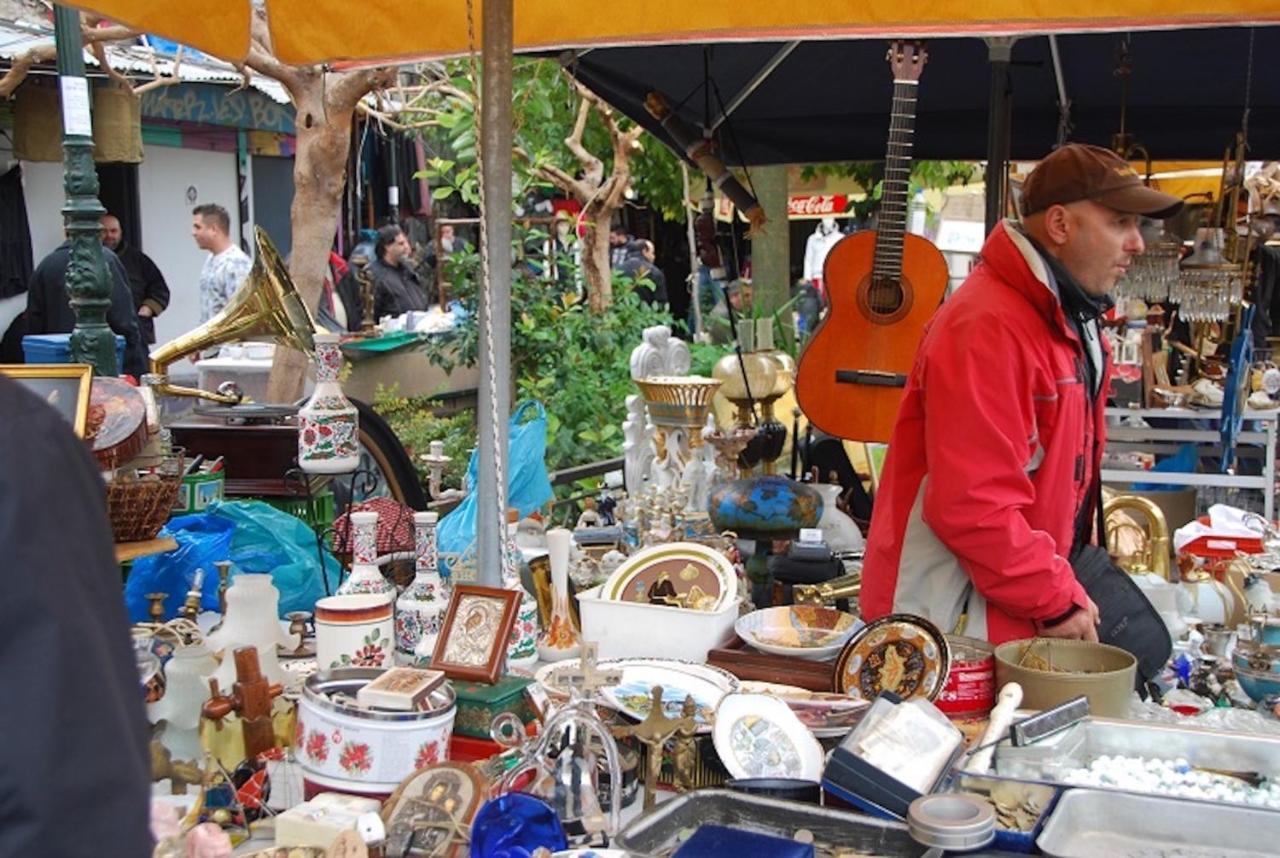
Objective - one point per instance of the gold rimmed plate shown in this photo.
(677, 574)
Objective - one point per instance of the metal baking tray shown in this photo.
(1088, 823)
(657, 832)
(1048, 761)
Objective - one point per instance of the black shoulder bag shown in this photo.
(1128, 619)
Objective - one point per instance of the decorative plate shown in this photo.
(804, 631)
(901, 653)
(681, 574)
(826, 715)
(757, 736)
(631, 696)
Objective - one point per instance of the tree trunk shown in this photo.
(319, 176)
(596, 270)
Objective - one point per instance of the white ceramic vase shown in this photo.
(252, 619)
(365, 575)
(839, 531)
(328, 423)
(356, 630)
(559, 640)
(522, 648)
(421, 607)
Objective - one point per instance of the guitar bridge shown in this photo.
(871, 377)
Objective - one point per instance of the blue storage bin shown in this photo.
(56, 348)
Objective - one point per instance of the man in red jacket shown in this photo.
(991, 466)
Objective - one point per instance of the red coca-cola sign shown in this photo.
(817, 205)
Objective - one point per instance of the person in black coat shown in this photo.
(49, 305)
(146, 283)
(75, 770)
(650, 282)
(396, 287)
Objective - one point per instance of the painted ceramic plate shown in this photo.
(826, 715)
(632, 696)
(804, 631)
(680, 574)
(901, 653)
(757, 736)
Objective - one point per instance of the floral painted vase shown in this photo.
(421, 607)
(559, 640)
(365, 575)
(522, 648)
(328, 423)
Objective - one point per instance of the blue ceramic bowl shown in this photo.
(1268, 631)
(1258, 684)
(1257, 658)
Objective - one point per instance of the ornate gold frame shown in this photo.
(81, 371)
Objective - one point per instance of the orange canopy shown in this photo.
(311, 31)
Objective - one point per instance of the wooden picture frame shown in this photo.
(64, 386)
(473, 640)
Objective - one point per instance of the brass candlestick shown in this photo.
(156, 608)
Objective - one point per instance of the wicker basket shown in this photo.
(140, 506)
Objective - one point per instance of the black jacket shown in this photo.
(49, 306)
(395, 290)
(147, 286)
(650, 282)
(74, 763)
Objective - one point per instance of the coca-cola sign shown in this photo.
(817, 205)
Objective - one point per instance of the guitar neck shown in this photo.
(892, 223)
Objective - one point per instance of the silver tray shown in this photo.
(657, 832)
(1090, 823)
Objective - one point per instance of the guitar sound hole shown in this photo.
(884, 300)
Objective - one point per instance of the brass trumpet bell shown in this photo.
(265, 307)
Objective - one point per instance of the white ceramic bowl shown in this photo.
(374, 749)
(804, 631)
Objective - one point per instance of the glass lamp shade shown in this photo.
(761, 373)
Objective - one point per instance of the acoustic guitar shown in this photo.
(883, 286)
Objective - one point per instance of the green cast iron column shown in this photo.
(88, 280)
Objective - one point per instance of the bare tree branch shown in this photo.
(347, 88)
(385, 118)
(100, 52)
(114, 33)
(159, 81)
(261, 60)
(17, 72)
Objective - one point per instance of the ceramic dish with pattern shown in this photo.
(827, 715)
(676, 574)
(805, 631)
(901, 653)
(631, 696)
(758, 736)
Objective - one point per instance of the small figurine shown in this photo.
(684, 747)
(589, 517)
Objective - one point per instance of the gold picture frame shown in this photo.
(64, 386)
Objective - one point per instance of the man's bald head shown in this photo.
(111, 231)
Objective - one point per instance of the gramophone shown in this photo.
(265, 307)
(256, 442)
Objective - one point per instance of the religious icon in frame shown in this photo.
(473, 640)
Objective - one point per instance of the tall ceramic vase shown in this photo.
(421, 607)
(328, 423)
(365, 575)
(559, 640)
(522, 648)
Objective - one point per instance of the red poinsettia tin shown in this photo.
(372, 750)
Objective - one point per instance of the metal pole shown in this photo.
(87, 278)
(999, 108)
(495, 302)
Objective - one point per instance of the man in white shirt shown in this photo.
(228, 265)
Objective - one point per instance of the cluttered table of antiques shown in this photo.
(621, 695)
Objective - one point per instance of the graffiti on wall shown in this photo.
(209, 104)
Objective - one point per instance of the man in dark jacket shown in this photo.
(650, 282)
(146, 283)
(396, 287)
(49, 305)
(74, 764)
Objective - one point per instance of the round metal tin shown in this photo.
(901, 653)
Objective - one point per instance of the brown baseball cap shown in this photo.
(1078, 171)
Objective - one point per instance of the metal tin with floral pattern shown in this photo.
(901, 653)
(376, 748)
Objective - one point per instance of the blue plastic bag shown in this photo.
(528, 486)
(255, 537)
(202, 540)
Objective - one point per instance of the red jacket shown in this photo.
(994, 450)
